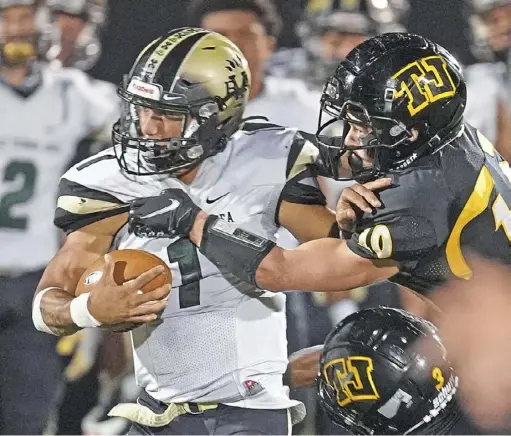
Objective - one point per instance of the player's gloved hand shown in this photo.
(357, 198)
(170, 214)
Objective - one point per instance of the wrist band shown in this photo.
(80, 312)
(37, 316)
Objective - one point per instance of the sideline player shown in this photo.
(44, 113)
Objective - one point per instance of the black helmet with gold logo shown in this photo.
(393, 86)
(373, 380)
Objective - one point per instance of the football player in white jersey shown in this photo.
(43, 115)
(254, 26)
(210, 354)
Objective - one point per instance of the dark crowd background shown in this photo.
(133, 23)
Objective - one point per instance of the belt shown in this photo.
(145, 416)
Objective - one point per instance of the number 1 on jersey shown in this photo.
(185, 254)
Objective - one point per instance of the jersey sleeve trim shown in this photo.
(302, 155)
(79, 205)
(92, 160)
(301, 186)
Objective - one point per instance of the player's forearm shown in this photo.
(325, 265)
(58, 284)
(55, 310)
(314, 266)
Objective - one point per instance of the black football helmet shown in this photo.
(391, 85)
(373, 381)
(191, 73)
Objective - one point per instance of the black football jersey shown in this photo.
(449, 204)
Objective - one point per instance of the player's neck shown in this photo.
(188, 177)
(14, 76)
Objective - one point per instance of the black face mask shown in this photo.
(382, 143)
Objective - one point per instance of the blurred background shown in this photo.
(83, 48)
(132, 23)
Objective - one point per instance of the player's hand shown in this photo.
(303, 367)
(475, 326)
(112, 304)
(170, 214)
(358, 197)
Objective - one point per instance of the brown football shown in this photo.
(128, 265)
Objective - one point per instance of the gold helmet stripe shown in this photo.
(142, 53)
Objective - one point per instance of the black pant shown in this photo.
(225, 420)
(29, 366)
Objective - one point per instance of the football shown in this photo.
(128, 265)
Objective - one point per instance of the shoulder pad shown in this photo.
(252, 126)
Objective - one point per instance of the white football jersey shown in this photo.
(287, 102)
(219, 339)
(39, 134)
